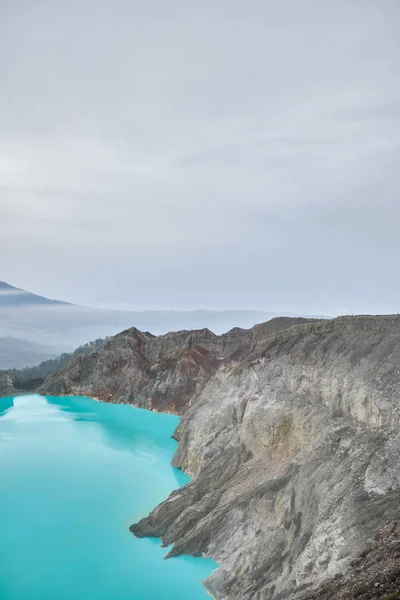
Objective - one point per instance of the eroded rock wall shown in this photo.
(290, 431)
(294, 452)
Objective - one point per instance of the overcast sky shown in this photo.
(213, 153)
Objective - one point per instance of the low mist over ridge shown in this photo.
(64, 326)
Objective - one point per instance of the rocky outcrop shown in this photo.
(374, 573)
(291, 434)
(6, 385)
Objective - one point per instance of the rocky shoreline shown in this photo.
(290, 433)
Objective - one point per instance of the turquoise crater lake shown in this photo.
(74, 474)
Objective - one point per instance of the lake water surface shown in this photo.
(74, 474)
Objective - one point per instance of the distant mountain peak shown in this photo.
(13, 296)
(6, 286)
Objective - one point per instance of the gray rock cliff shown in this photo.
(290, 432)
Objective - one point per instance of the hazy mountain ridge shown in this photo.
(13, 296)
(290, 432)
(16, 353)
(66, 326)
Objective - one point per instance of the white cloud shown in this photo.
(153, 140)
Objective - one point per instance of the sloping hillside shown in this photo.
(13, 296)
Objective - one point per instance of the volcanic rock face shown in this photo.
(290, 432)
(163, 373)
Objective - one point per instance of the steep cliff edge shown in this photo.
(290, 432)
